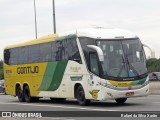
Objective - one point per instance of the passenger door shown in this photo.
(94, 80)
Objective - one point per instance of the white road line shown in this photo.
(79, 108)
(156, 102)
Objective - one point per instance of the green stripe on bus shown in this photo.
(137, 82)
(53, 76)
(142, 81)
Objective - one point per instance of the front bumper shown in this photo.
(110, 94)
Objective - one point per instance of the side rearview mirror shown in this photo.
(152, 52)
(98, 50)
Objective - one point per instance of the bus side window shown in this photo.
(93, 63)
(73, 51)
(65, 44)
(54, 50)
(14, 56)
(59, 50)
(6, 56)
(33, 54)
(23, 55)
(45, 52)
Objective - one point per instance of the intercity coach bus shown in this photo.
(87, 64)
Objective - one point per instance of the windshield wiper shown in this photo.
(124, 65)
(130, 65)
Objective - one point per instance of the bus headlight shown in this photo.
(108, 86)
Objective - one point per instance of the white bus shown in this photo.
(88, 64)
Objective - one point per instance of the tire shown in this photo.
(80, 95)
(27, 95)
(20, 94)
(121, 100)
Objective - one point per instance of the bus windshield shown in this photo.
(122, 58)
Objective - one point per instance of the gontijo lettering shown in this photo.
(28, 70)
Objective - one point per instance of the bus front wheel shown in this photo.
(121, 100)
(80, 95)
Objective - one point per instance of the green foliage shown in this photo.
(153, 65)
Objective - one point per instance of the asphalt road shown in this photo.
(136, 105)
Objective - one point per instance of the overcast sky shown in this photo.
(139, 16)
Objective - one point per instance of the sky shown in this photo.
(17, 23)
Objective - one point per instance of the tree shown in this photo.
(153, 65)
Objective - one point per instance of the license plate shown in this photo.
(129, 93)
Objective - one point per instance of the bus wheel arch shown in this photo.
(19, 93)
(80, 95)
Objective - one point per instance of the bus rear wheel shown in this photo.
(121, 100)
(80, 95)
(20, 94)
(27, 95)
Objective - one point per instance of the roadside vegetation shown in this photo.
(153, 65)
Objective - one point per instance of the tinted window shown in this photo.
(45, 52)
(23, 55)
(84, 42)
(54, 50)
(34, 53)
(73, 51)
(14, 56)
(60, 50)
(94, 63)
(6, 56)
(66, 49)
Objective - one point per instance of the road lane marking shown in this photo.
(80, 108)
(156, 102)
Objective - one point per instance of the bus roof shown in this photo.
(48, 38)
(102, 33)
(96, 33)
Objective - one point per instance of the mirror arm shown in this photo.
(98, 50)
(151, 50)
